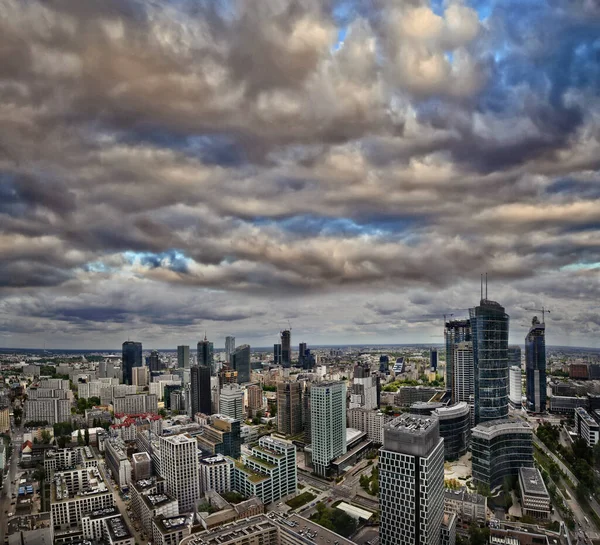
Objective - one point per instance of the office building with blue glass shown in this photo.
(535, 366)
(132, 357)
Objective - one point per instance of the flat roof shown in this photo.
(532, 482)
(354, 511)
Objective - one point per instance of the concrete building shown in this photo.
(411, 482)
(4, 419)
(136, 404)
(269, 473)
(117, 461)
(140, 376)
(289, 408)
(215, 473)
(587, 427)
(369, 421)
(179, 466)
(328, 423)
(448, 536)
(535, 499)
(455, 331)
(107, 526)
(171, 530)
(364, 392)
(468, 507)
(229, 347)
(407, 395)
(149, 499)
(183, 356)
(221, 436)
(500, 448)
(50, 409)
(141, 466)
(255, 399)
(515, 387)
(231, 401)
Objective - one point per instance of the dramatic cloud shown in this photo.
(171, 167)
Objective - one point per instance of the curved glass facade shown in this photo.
(455, 428)
(499, 449)
(489, 327)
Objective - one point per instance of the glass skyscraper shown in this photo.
(489, 330)
(240, 362)
(535, 366)
(456, 331)
(286, 348)
(206, 355)
(200, 389)
(132, 357)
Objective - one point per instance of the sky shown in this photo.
(348, 168)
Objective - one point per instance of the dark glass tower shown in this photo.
(535, 366)
(240, 362)
(132, 357)
(200, 391)
(286, 348)
(206, 355)
(154, 361)
(277, 354)
(489, 329)
(456, 331)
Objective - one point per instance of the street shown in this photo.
(9, 487)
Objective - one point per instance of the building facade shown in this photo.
(231, 401)
(132, 357)
(364, 388)
(289, 408)
(200, 392)
(535, 499)
(286, 348)
(179, 466)
(455, 429)
(371, 422)
(183, 356)
(455, 332)
(215, 473)
(535, 366)
(205, 355)
(587, 427)
(240, 362)
(515, 387)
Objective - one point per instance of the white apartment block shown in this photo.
(328, 423)
(136, 404)
(467, 506)
(171, 530)
(515, 386)
(588, 427)
(106, 526)
(51, 410)
(411, 482)
(179, 467)
(108, 393)
(535, 499)
(364, 389)
(231, 401)
(117, 461)
(369, 421)
(215, 473)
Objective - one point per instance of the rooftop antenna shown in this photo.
(481, 279)
(486, 296)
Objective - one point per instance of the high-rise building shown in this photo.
(500, 448)
(277, 354)
(221, 436)
(433, 359)
(514, 355)
(301, 354)
(229, 346)
(205, 355)
(200, 391)
(255, 399)
(384, 364)
(289, 408)
(231, 401)
(140, 376)
(455, 428)
(328, 423)
(515, 393)
(286, 348)
(179, 467)
(364, 388)
(183, 356)
(240, 362)
(215, 473)
(132, 357)
(411, 482)
(455, 332)
(535, 366)
(489, 329)
(464, 382)
(154, 363)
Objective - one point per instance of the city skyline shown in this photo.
(347, 169)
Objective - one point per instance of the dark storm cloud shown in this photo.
(218, 154)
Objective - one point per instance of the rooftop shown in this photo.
(156, 500)
(166, 525)
(413, 423)
(118, 529)
(531, 481)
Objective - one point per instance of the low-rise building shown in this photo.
(369, 421)
(534, 495)
(468, 507)
(588, 427)
(116, 460)
(171, 530)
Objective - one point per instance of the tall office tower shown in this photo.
(535, 366)
(328, 423)
(154, 361)
(183, 356)
(514, 355)
(231, 401)
(433, 359)
(286, 348)
(179, 467)
(206, 355)
(140, 376)
(464, 383)
(240, 362)
(255, 399)
(306, 423)
(301, 354)
(200, 392)
(411, 482)
(229, 347)
(515, 386)
(132, 357)
(289, 408)
(455, 331)
(277, 354)
(384, 364)
(489, 327)
(364, 388)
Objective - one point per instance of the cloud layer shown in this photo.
(170, 167)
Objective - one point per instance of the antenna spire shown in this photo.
(486, 295)
(481, 285)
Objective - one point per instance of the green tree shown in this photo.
(80, 440)
(46, 437)
(86, 437)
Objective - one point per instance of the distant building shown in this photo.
(132, 357)
(179, 466)
(369, 421)
(183, 356)
(468, 507)
(205, 355)
(500, 448)
(514, 356)
(579, 371)
(200, 393)
(328, 423)
(433, 359)
(587, 427)
(154, 363)
(364, 388)
(277, 354)
(516, 386)
(286, 348)
(463, 375)
(231, 401)
(535, 499)
(240, 362)
(411, 482)
(229, 346)
(384, 364)
(255, 399)
(289, 408)
(455, 331)
(140, 376)
(535, 367)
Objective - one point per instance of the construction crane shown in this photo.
(543, 310)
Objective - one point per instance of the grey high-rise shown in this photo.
(489, 329)
(456, 331)
(286, 348)
(289, 407)
(240, 362)
(183, 357)
(411, 482)
(277, 354)
(229, 346)
(514, 356)
(200, 389)
(132, 357)
(205, 356)
(535, 366)
(154, 362)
